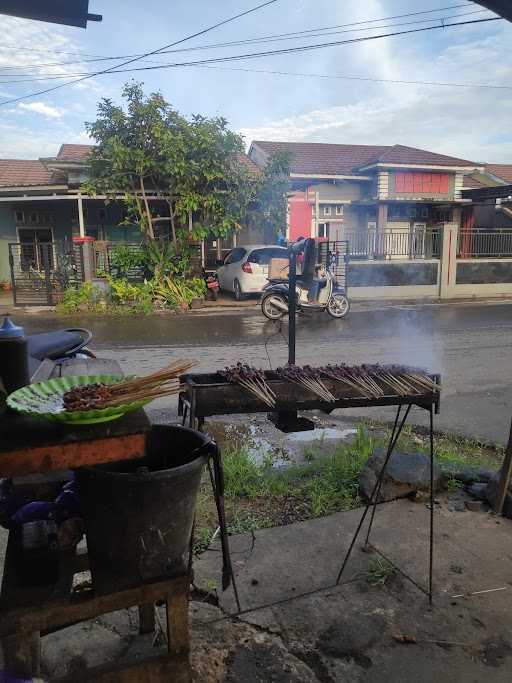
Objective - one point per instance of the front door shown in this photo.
(35, 249)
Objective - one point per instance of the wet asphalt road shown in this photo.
(470, 344)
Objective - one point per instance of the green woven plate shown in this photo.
(44, 399)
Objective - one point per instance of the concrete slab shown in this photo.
(347, 632)
(280, 563)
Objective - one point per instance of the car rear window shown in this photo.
(263, 256)
(234, 256)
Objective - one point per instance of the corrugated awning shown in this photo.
(501, 7)
(68, 12)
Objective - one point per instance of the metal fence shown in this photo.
(42, 271)
(334, 255)
(484, 243)
(394, 243)
(129, 260)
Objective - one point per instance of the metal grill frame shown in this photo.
(202, 396)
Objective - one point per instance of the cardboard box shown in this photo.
(278, 268)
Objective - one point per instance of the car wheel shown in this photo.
(239, 295)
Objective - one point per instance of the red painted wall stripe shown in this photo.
(301, 213)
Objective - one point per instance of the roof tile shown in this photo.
(74, 152)
(503, 171)
(334, 159)
(24, 173)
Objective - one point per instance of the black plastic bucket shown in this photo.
(138, 514)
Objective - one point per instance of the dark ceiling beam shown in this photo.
(482, 193)
(501, 7)
(67, 12)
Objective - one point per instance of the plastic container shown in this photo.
(139, 514)
(14, 372)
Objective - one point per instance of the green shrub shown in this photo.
(177, 293)
(74, 300)
(134, 296)
(127, 297)
(124, 259)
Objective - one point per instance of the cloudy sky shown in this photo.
(310, 100)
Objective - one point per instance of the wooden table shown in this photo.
(30, 446)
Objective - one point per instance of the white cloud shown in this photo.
(35, 47)
(41, 108)
(471, 123)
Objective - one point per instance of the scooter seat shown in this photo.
(53, 344)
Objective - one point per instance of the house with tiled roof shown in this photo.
(41, 202)
(490, 193)
(340, 189)
(338, 192)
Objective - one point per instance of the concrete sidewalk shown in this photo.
(227, 303)
(345, 633)
(319, 632)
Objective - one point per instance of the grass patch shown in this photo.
(379, 572)
(453, 449)
(258, 496)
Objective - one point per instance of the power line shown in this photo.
(147, 54)
(265, 38)
(356, 78)
(248, 41)
(252, 55)
(245, 56)
(397, 16)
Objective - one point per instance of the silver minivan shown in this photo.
(245, 269)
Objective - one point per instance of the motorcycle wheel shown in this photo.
(215, 294)
(338, 306)
(269, 309)
(87, 352)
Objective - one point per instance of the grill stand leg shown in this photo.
(217, 481)
(395, 434)
(392, 443)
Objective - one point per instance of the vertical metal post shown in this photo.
(81, 222)
(292, 285)
(45, 253)
(431, 539)
(11, 265)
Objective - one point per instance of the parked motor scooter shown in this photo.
(316, 290)
(61, 344)
(212, 284)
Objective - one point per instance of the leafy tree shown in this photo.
(128, 158)
(149, 150)
(270, 204)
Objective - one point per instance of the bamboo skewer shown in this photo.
(165, 382)
(309, 378)
(374, 381)
(156, 379)
(252, 380)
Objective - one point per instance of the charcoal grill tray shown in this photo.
(210, 394)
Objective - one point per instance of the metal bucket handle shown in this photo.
(212, 453)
